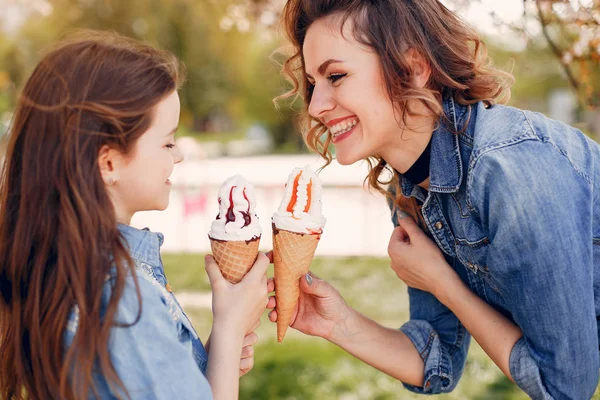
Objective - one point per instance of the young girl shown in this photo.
(508, 199)
(85, 308)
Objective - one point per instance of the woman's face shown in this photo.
(349, 94)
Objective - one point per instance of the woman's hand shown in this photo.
(238, 306)
(321, 310)
(416, 259)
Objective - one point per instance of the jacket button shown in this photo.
(472, 267)
(439, 225)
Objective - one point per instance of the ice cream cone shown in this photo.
(292, 256)
(235, 257)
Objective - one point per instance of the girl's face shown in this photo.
(350, 98)
(142, 178)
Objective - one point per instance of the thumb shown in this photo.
(310, 284)
(212, 270)
(399, 235)
(259, 268)
(408, 224)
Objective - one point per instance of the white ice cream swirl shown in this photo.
(301, 209)
(237, 219)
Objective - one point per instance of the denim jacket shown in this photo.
(160, 356)
(514, 204)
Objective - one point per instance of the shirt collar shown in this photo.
(143, 245)
(445, 167)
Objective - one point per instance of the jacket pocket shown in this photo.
(473, 255)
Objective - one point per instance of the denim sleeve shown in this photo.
(536, 206)
(148, 356)
(440, 339)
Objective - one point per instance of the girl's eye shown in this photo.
(170, 146)
(335, 77)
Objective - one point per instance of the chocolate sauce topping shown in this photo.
(246, 215)
(230, 215)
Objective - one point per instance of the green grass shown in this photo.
(308, 368)
(186, 271)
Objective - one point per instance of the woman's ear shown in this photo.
(419, 67)
(108, 161)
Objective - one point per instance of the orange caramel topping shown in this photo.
(309, 191)
(294, 199)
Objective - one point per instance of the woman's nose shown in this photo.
(321, 102)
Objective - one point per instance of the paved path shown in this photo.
(194, 299)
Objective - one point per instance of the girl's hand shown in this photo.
(247, 357)
(321, 310)
(416, 259)
(238, 306)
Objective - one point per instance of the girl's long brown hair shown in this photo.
(58, 229)
(458, 59)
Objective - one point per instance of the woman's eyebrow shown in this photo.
(323, 67)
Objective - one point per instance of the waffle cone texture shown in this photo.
(235, 258)
(292, 255)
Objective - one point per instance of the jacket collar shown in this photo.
(143, 245)
(445, 167)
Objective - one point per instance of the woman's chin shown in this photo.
(347, 159)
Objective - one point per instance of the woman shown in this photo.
(85, 307)
(508, 248)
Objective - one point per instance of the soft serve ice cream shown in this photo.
(237, 219)
(300, 210)
(235, 233)
(297, 228)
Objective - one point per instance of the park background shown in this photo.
(229, 125)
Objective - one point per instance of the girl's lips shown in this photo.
(168, 182)
(339, 138)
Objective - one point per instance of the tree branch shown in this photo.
(572, 80)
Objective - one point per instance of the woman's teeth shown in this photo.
(342, 127)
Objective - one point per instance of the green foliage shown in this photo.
(309, 368)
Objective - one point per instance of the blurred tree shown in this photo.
(226, 69)
(570, 30)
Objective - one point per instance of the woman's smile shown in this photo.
(343, 133)
(341, 128)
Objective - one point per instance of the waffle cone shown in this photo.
(292, 256)
(235, 258)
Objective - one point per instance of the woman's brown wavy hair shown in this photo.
(58, 229)
(460, 67)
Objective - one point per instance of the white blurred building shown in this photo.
(358, 222)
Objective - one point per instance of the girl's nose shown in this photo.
(177, 155)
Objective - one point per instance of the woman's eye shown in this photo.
(335, 77)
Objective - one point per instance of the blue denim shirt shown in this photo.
(514, 204)
(161, 356)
